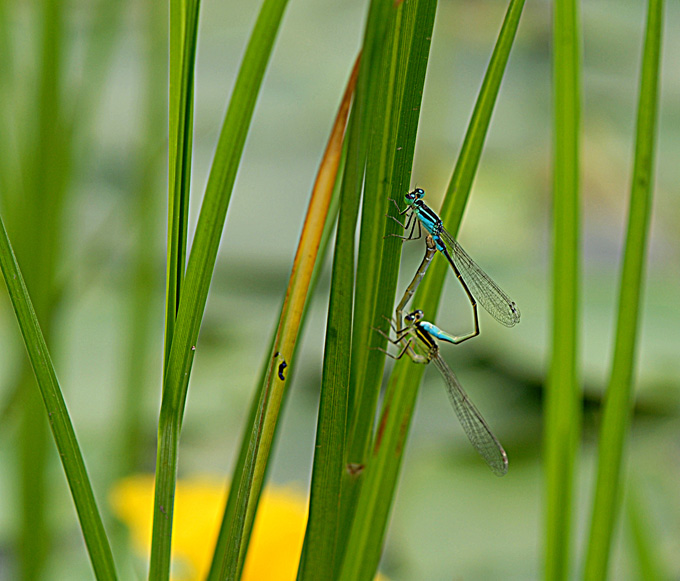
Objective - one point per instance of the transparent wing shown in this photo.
(486, 292)
(474, 425)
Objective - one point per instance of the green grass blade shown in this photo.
(199, 273)
(394, 127)
(364, 545)
(40, 133)
(60, 422)
(251, 468)
(145, 206)
(562, 403)
(35, 537)
(320, 545)
(388, 172)
(323, 541)
(47, 131)
(183, 38)
(619, 396)
(281, 355)
(644, 541)
(380, 476)
(36, 213)
(238, 472)
(321, 536)
(384, 108)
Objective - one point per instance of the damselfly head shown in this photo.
(413, 196)
(416, 316)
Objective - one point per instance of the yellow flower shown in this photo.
(275, 544)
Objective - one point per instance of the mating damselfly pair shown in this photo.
(418, 338)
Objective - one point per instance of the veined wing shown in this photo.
(474, 425)
(485, 291)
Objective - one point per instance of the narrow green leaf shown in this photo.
(244, 495)
(183, 39)
(199, 274)
(562, 402)
(380, 475)
(388, 173)
(36, 211)
(322, 550)
(619, 396)
(145, 206)
(321, 536)
(239, 473)
(389, 180)
(380, 154)
(60, 422)
(645, 542)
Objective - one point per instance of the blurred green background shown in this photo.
(452, 519)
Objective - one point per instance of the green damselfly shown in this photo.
(478, 285)
(419, 343)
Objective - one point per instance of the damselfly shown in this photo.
(418, 340)
(477, 284)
